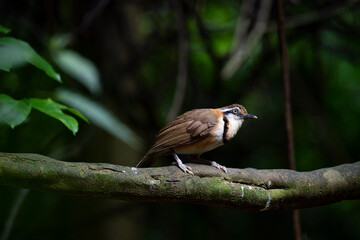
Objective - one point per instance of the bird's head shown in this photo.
(236, 112)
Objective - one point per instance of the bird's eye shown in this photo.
(235, 111)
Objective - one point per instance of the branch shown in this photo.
(244, 47)
(242, 24)
(247, 189)
(317, 15)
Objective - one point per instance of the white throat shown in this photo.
(234, 125)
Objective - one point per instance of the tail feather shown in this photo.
(147, 160)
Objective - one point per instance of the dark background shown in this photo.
(135, 47)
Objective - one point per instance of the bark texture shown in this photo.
(247, 189)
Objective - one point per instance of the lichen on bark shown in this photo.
(248, 189)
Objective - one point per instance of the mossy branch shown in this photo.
(248, 189)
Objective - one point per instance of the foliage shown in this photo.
(80, 68)
(99, 116)
(13, 112)
(14, 53)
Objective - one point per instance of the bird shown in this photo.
(196, 132)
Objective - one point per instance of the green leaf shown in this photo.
(80, 68)
(54, 110)
(99, 116)
(78, 114)
(14, 52)
(73, 111)
(13, 112)
(4, 29)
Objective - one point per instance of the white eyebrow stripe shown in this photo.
(229, 109)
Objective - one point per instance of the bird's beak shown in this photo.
(248, 116)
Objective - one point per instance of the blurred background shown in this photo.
(130, 66)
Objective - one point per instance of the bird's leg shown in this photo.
(197, 159)
(180, 164)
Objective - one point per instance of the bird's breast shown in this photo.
(205, 145)
(218, 130)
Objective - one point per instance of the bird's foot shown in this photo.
(218, 166)
(185, 168)
(182, 166)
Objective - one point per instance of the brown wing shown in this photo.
(187, 128)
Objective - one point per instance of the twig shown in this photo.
(14, 211)
(242, 24)
(287, 106)
(87, 20)
(91, 15)
(205, 36)
(183, 61)
(217, 61)
(318, 15)
(244, 50)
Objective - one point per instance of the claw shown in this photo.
(185, 168)
(218, 166)
(182, 166)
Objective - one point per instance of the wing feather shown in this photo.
(187, 128)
